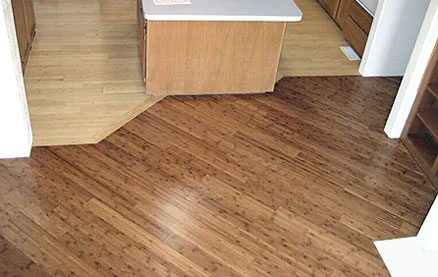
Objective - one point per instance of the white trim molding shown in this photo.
(414, 256)
(15, 129)
(428, 234)
(392, 37)
(414, 74)
(406, 258)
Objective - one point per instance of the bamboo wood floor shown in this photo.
(84, 82)
(298, 182)
(312, 47)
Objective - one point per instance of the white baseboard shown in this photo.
(14, 152)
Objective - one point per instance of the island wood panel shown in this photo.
(193, 57)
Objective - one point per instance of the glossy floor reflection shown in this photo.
(296, 182)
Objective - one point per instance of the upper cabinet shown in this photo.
(24, 17)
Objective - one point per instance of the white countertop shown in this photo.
(225, 10)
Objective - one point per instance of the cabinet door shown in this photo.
(355, 35)
(341, 16)
(331, 6)
(21, 28)
(360, 16)
(30, 18)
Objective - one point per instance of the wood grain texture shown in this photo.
(343, 10)
(141, 29)
(22, 24)
(298, 182)
(30, 18)
(423, 119)
(331, 6)
(311, 47)
(355, 35)
(83, 79)
(362, 18)
(207, 57)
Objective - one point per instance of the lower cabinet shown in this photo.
(355, 36)
(353, 19)
(24, 17)
(357, 26)
(342, 14)
(142, 35)
(331, 6)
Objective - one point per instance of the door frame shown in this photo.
(417, 66)
(15, 129)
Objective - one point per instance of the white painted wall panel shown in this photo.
(392, 37)
(414, 74)
(15, 130)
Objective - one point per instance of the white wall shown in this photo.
(15, 130)
(416, 68)
(428, 234)
(392, 37)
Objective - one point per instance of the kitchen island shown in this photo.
(212, 46)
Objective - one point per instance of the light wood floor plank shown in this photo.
(83, 79)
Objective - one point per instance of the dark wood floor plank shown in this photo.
(298, 182)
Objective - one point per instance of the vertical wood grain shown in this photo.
(212, 57)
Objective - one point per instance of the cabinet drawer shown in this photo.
(360, 16)
(355, 35)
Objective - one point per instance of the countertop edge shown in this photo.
(161, 17)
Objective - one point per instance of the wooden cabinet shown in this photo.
(21, 27)
(353, 19)
(30, 18)
(357, 26)
(420, 135)
(355, 36)
(142, 35)
(24, 17)
(209, 57)
(331, 6)
(342, 15)
(360, 16)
